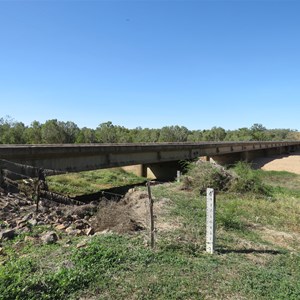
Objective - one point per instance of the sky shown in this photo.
(151, 63)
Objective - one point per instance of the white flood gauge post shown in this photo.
(210, 220)
(178, 176)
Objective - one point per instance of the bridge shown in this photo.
(158, 160)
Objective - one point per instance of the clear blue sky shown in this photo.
(197, 64)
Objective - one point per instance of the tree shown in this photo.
(53, 132)
(11, 132)
(173, 134)
(5, 125)
(86, 136)
(33, 134)
(258, 132)
(214, 134)
(106, 133)
(195, 136)
(71, 131)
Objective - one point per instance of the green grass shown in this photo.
(91, 181)
(257, 257)
(281, 179)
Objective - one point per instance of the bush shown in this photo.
(247, 180)
(201, 175)
(241, 179)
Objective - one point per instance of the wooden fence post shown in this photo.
(151, 215)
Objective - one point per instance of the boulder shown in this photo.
(49, 237)
(90, 231)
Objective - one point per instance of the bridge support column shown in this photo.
(245, 156)
(163, 171)
(138, 170)
(226, 159)
(160, 171)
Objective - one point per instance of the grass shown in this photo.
(89, 182)
(283, 179)
(258, 243)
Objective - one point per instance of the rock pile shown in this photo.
(18, 215)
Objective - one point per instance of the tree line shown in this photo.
(59, 132)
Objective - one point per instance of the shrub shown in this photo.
(241, 179)
(201, 175)
(247, 180)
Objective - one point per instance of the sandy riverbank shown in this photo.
(287, 162)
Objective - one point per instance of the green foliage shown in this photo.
(173, 134)
(242, 134)
(54, 131)
(86, 136)
(11, 132)
(57, 132)
(34, 133)
(214, 134)
(202, 175)
(248, 180)
(241, 179)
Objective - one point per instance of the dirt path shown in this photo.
(288, 162)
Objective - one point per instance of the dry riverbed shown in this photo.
(286, 162)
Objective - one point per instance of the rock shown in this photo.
(75, 217)
(72, 231)
(27, 217)
(21, 223)
(1, 251)
(7, 234)
(79, 224)
(49, 237)
(82, 244)
(6, 207)
(89, 231)
(61, 227)
(33, 222)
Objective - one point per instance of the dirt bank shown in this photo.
(287, 162)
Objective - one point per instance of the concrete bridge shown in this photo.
(158, 160)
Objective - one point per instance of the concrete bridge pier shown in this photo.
(226, 159)
(161, 171)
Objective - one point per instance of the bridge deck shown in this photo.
(80, 157)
